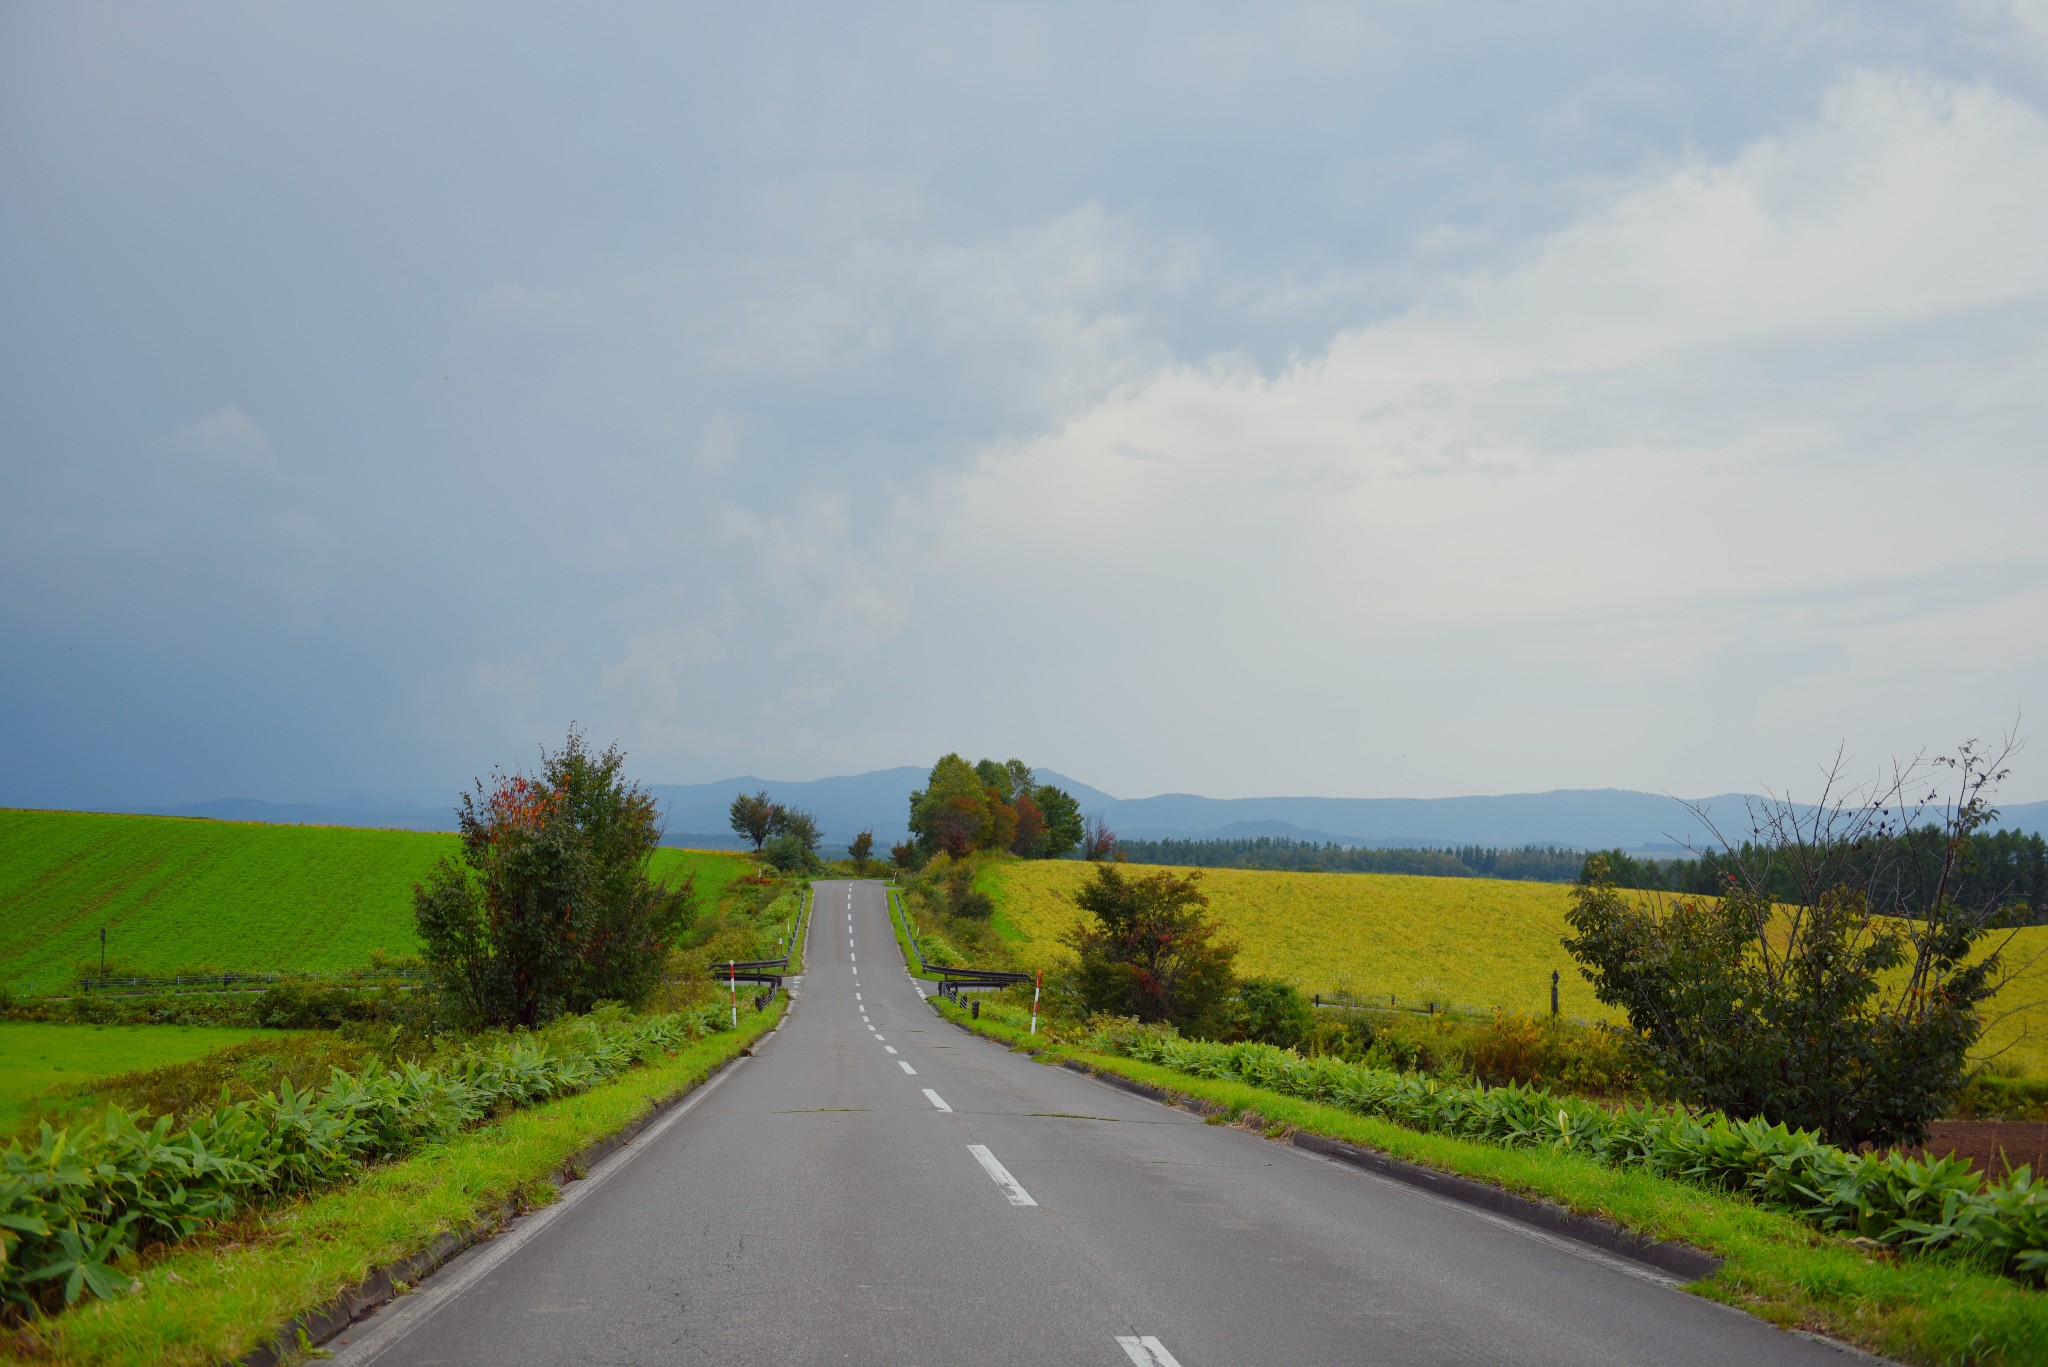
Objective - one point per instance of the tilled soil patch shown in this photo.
(1994, 1147)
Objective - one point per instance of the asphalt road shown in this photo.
(876, 1186)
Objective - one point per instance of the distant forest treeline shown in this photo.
(2004, 868)
(1529, 863)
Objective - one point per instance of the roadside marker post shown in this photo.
(1036, 988)
(733, 980)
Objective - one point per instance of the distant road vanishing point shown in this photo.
(876, 1186)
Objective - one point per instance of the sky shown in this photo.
(1398, 400)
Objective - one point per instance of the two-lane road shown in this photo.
(876, 1186)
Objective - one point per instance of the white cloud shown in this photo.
(1653, 455)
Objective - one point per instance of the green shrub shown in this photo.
(1271, 1012)
(1903, 1203)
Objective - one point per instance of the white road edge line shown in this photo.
(1146, 1352)
(378, 1336)
(906, 1067)
(1018, 1196)
(937, 1100)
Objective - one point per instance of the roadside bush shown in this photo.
(1271, 1012)
(961, 899)
(1151, 952)
(1903, 1203)
(77, 1208)
(1829, 983)
(549, 908)
(788, 853)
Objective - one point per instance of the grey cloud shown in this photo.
(382, 387)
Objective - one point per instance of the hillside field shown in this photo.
(1474, 942)
(179, 893)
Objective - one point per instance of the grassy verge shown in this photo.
(1921, 1309)
(896, 926)
(225, 1293)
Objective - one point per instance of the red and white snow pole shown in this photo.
(1035, 989)
(733, 978)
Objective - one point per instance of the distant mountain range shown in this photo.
(696, 813)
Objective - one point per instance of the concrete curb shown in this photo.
(324, 1322)
(1678, 1260)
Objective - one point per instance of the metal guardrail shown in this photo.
(951, 979)
(762, 972)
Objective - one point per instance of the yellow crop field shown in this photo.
(1474, 942)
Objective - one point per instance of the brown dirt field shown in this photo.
(1984, 1141)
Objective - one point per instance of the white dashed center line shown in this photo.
(937, 1100)
(1001, 1175)
(1146, 1352)
(906, 1067)
(888, 1048)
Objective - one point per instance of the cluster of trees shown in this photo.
(548, 907)
(2004, 869)
(1533, 863)
(787, 837)
(990, 806)
(1835, 978)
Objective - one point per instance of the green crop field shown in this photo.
(176, 894)
(1473, 942)
(35, 1058)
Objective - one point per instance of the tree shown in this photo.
(793, 845)
(633, 920)
(1811, 990)
(1063, 826)
(1100, 842)
(1029, 840)
(905, 855)
(1001, 831)
(861, 850)
(1151, 953)
(548, 907)
(950, 812)
(753, 816)
(801, 825)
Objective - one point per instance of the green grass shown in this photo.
(1921, 1309)
(34, 1059)
(226, 1292)
(903, 939)
(175, 893)
(1478, 943)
